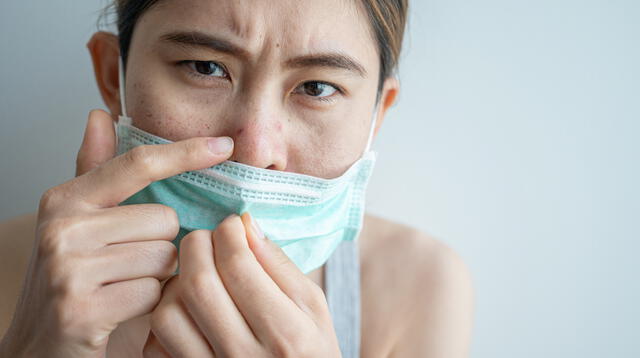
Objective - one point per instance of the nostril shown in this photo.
(272, 167)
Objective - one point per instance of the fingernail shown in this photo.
(220, 145)
(256, 228)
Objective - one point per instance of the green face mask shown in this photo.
(306, 216)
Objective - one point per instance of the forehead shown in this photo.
(292, 26)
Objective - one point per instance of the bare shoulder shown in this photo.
(422, 288)
(16, 241)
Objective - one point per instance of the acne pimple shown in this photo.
(239, 131)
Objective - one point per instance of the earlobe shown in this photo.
(388, 97)
(105, 53)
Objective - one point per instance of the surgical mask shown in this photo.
(305, 215)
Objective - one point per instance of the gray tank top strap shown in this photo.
(342, 289)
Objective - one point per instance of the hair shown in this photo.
(387, 19)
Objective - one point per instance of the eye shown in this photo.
(317, 89)
(207, 68)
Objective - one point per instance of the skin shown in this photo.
(90, 256)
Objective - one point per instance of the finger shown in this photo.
(121, 224)
(130, 299)
(260, 300)
(126, 174)
(207, 299)
(99, 142)
(130, 261)
(174, 329)
(296, 285)
(137, 222)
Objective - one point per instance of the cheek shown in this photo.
(159, 110)
(329, 150)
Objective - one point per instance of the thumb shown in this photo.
(269, 255)
(277, 264)
(99, 143)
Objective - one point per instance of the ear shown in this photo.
(388, 96)
(105, 54)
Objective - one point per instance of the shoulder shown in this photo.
(407, 254)
(16, 241)
(425, 282)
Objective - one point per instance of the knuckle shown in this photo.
(166, 250)
(161, 217)
(55, 235)
(145, 293)
(169, 219)
(169, 216)
(49, 198)
(315, 291)
(315, 300)
(192, 150)
(150, 290)
(168, 257)
(141, 159)
(198, 286)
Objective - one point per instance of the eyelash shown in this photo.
(329, 98)
(198, 75)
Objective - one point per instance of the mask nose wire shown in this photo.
(123, 107)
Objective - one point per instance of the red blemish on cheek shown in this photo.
(239, 131)
(279, 126)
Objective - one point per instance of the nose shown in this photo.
(257, 128)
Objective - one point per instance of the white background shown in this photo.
(515, 141)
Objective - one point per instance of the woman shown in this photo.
(287, 86)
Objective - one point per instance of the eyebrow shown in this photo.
(329, 59)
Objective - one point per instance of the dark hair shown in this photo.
(387, 17)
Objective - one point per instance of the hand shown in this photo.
(96, 264)
(239, 295)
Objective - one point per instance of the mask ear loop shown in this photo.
(371, 130)
(123, 107)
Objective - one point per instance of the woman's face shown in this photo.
(293, 82)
